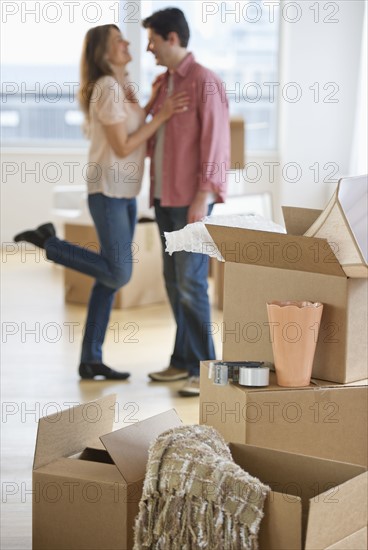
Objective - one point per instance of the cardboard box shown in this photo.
(85, 494)
(314, 503)
(323, 420)
(237, 141)
(261, 267)
(147, 257)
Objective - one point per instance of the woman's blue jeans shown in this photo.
(115, 221)
(187, 288)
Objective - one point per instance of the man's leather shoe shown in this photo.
(88, 371)
(171, 374)
(38, 236)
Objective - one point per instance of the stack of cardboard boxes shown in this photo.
(309, 444)
(87, 484)
(327, 419)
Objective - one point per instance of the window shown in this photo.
(239, 41)
(41, 44)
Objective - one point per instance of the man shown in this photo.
(189, 158)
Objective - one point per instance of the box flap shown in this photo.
(355, 541)
(281, 526)
(298, 220)
(338, 512)
(312, 473)
(73, 468)
(67, 432)
(278, 250)
(128, 447)
(344, 222)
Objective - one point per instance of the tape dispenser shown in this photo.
(244, 373)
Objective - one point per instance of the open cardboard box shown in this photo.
(262, 266)
(86, 493)
(314, 503)
(324, 420)
(147, 260)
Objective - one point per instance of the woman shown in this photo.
(118, 136)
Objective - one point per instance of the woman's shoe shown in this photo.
(88, 371)
(37, 236)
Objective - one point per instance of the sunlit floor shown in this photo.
(41, 338)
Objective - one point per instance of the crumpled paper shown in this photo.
(194, 235)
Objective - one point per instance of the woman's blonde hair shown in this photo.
(93, 63)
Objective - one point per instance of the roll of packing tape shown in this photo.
(254, 376)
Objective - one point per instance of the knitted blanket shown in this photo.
(195, 496)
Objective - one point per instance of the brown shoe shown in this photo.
(191, 387)
(171, 374)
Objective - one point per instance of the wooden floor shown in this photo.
(41, 339)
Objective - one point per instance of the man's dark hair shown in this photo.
(169, 20)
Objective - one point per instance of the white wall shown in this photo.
(30, 180)
(319, 132)
(27, 198)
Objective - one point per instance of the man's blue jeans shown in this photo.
(114, 221)
(186, 284)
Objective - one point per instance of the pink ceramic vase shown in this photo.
(294, 330)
